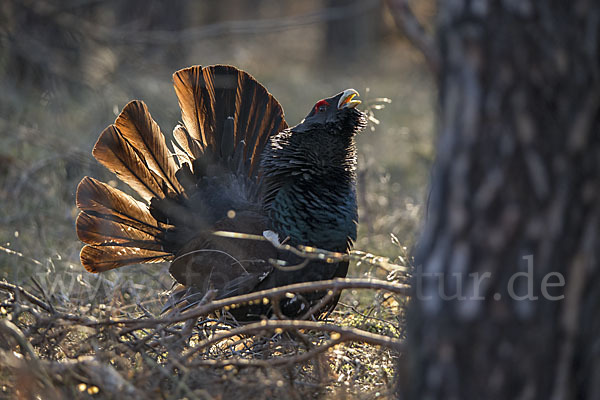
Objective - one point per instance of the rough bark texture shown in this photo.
(516, 184)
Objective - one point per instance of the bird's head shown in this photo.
(338, 111)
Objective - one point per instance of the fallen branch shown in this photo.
(18, 290)
(408, 23)
(344, 333)
(274, 362)
(202, 310)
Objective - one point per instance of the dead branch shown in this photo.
(293, 360)
(14, 289)
(345, 333)
(202, 310)
(408, 23)
(314, 253)
(8, 329)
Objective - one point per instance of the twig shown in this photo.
(43, 292)
(19, 291)
(330, 294)
(314, 253)
(244, 362)
(345, 333)
(370, 317)
(333, 284)
(409, 24)
(8, 328)
(157, 37)
(9, 287)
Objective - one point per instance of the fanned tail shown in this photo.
(135, 149)
(228, 116)
(227, 119)
(117, 229)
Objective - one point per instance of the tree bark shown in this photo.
(514, 206)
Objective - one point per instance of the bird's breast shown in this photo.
(316, 217)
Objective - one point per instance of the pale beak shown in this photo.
(347, 99)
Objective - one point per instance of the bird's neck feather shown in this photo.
(309, 179)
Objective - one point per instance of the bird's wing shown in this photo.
(212, 261)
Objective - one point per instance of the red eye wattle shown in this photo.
(321, 106)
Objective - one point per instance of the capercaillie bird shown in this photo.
(234, 166)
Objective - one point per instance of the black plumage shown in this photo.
(234, 166)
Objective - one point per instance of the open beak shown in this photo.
(347, 99)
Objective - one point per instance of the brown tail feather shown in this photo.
(114, 224)
(120, 157)
(102, 200)
(186, 142)
(143, 133)
(104, 232)
(209, 96)
(103, 258)
(181, 155)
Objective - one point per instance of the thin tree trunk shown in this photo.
(514, 208)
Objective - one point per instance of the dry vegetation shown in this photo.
(117, 345)
(62, 83)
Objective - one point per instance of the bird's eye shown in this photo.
(321, 106)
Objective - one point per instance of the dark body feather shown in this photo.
(310, 179)
(234, 166)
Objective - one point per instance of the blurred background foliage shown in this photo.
(68, 67)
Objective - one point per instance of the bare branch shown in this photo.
(201, 310)
(9, 287)
(7, 328)
(314, 253)
(408, 23)
(293, 360)
(345, 333)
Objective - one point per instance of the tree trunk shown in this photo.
(507, 289)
